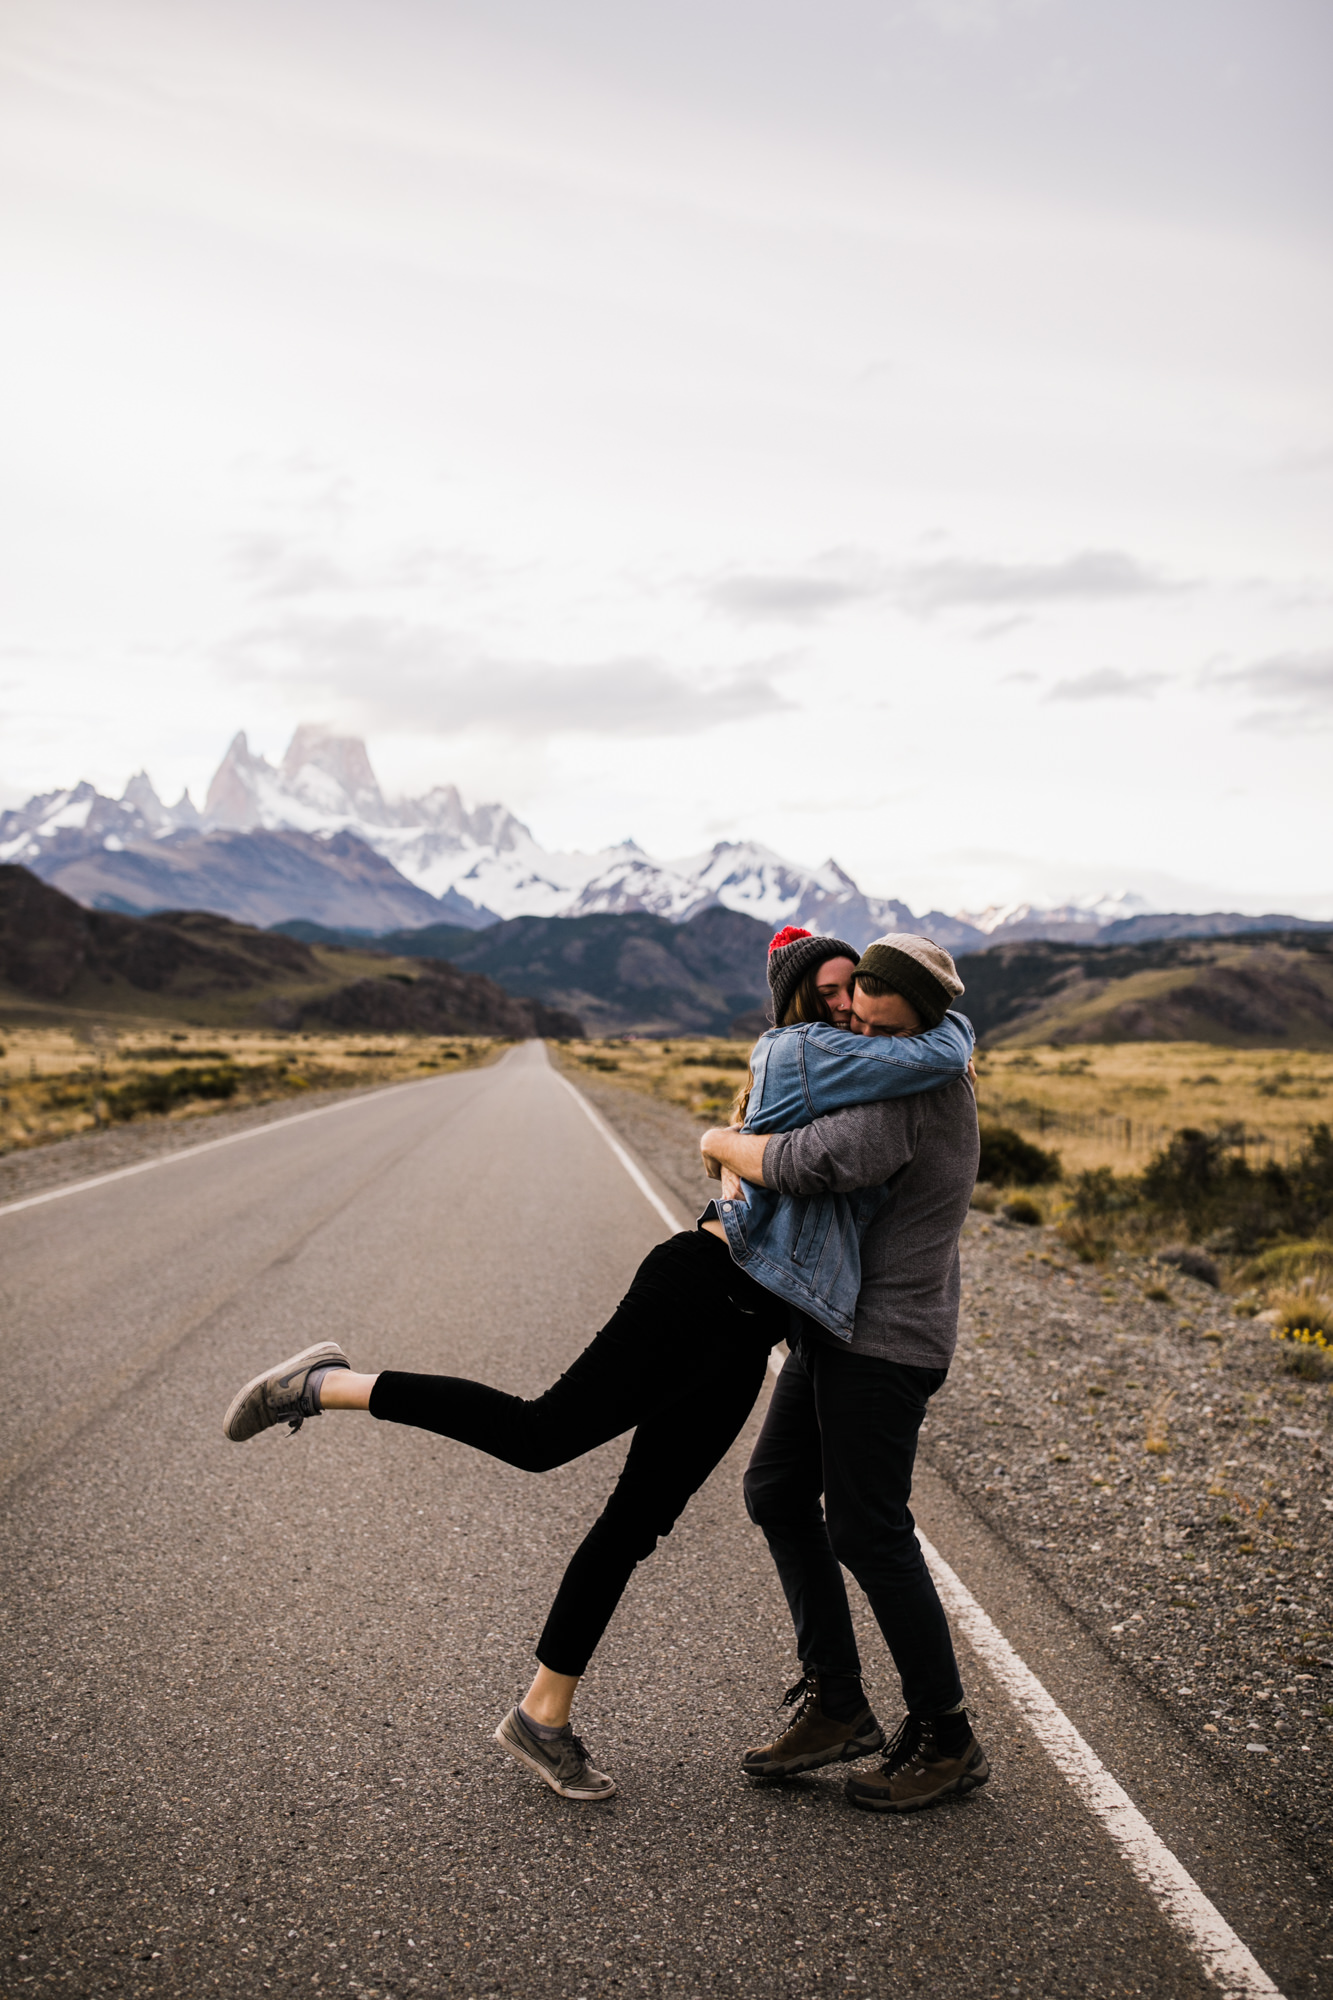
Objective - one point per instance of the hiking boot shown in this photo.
(813, 1738)
(562, 1761)
(917, 1773)
(279, 1395)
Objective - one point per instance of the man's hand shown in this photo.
(728, 1146)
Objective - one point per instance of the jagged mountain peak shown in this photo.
(444, 860)
(232, 797)
(333, 774)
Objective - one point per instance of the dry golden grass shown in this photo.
(54, 1082)
(701, 1073)
(1115, 1105)
(1103, 1106)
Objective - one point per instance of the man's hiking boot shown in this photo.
(562, 1762)
(813, 1738)
(280, 1395)
(917, 1773)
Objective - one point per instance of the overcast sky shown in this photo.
(898, 429)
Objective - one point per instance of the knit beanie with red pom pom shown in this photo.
(792, 954)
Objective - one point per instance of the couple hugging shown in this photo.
(845, 1180)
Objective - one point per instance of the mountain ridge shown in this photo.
(315, 839)
(1244, 990)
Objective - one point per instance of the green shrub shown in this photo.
(1098, 1192)
(1009, 1160)
(1207, 1180)
(1305, 1320)
(1022, 1209)
(1288, 1263)
(156, 1095)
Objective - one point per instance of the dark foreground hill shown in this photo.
(59, 961)
(634, 974)
(641, 974)
(1251, 991)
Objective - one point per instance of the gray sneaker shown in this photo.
(563, 1763)
(278, 1396)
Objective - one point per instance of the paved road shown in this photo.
(249, 1691)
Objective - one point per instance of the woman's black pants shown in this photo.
(679, 1363)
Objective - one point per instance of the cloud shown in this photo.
(798, 599)
(1297, 686)
(275, 567)
(410, 676)
(1091, 574)
(802, 595)
(1107, 684)
(970, 19)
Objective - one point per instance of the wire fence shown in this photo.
(1129, 1135)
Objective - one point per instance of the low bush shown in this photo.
(1194, 1263)
(1098, 1192)
(1206, 1180)
(1022, 1210)
(1305, 1318)
(1288, 1263)
(1009, 1160)
(158, 1094)
(1304, 1331)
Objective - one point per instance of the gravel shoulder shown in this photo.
(1152, 1462)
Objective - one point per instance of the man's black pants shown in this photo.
(679, 1363)
(845, 1426)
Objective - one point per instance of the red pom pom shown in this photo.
(787, 936)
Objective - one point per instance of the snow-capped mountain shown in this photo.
(488, 857)
(1086, 913)
(269, 835)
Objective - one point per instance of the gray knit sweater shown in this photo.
(926, 1149)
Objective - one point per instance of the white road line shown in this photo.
(212, 1145)
(672, 1221)
(1227, 1961)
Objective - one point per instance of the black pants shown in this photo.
(679, 1363)
(845, 1426)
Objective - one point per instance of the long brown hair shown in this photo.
(807, 1003)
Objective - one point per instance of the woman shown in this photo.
(683, 1420)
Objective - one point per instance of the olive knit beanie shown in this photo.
(918, 968)
(792, 954)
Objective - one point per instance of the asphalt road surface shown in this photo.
(249, 1691)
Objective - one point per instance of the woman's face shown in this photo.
(833, 984)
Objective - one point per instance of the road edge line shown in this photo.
(212, 1145)
(640, 1180)
(1227, 1960)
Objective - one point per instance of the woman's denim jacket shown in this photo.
(807, 1249)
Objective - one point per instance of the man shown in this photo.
(844, 1415)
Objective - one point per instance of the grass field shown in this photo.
(699, 1073)
(1108, 1106)
(1116, 1104)
(54, 1082)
